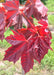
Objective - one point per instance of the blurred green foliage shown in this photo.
(4, 43)
(51, 20)
(50, 5)
(22, 1)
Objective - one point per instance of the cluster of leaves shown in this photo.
(30, 43)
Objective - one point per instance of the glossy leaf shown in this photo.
(42, 45)
(12, 8)
(19, 49)
(18, 46)
(15, 15)
(36, 8)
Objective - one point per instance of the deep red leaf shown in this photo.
(14, 52)
(2, 22)
(27, 61)
(40, 10)
(14, 39)
(36, 8)
(15, 15)
(41, 47)
(12, 8)
(18, 46)
(43, 23)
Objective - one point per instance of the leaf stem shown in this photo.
(33, 26)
